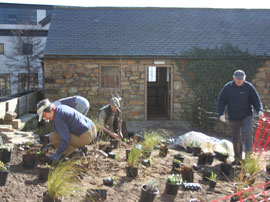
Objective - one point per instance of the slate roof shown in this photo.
(149, 32)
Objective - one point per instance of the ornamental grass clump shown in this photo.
(151, 139)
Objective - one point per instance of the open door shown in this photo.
(158, 92)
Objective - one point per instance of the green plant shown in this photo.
(133, 157)
(177, 161)
(213, 177)
(224, 153)
(151, 139)
(174, 179)
(2, 167)
(64, 178)
(152, 186)
(151, 162)
(40, 152)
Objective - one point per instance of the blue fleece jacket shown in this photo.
(239, 100)
(66, 121)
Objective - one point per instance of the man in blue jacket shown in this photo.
(72, 129)
(240, 97)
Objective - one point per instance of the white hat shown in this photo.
(41, 106)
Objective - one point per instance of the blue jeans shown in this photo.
(82, 105)
(241, 131)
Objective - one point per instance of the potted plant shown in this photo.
(252, 167)
(209, 158)
(196, 148)
(96, 195)
(114, 143)
(202, 158)
(225, 169)
(179, 157)
(132, 169)
(5, 153)
(29, 160)
(173, 183)
(176, 165)
(112, 155)
(151, 139)
(212, 180)
(221, 156)
(149, 191)
(163, 150)
(147, 162)
(3, 174)
(189, 148)
(187, 173)
(43, 171)
(109, 181)
(127, 153)
(206, 174)
(62, 180)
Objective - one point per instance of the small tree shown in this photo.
(25, 54)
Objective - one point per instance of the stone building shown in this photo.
(137, 51)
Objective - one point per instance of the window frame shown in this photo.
(25, 49)
(157, 75)
(32, 86)
(7, 89)
(100, 77)
(2, 53)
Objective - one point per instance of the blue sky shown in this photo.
(262, 4)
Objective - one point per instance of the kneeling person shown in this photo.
(72, 129)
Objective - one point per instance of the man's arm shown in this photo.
(222, 102)
(255, 99)
(102, 117)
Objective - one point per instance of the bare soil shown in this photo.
(23, 184)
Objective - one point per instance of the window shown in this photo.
(23, 82)
(27, 49)
(110, 77)
(152, 74)
(4, 84)
(1, 48)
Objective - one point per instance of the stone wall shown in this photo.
(67, 77)
(262, 84)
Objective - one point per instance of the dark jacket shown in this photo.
(239, 100)
(108, 111)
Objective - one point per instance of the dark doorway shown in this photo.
(158, 85)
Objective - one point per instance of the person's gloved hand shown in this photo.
(55, 157)
(222, 118)
(261, 114)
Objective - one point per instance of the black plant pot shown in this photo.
(189, 150)
(146, 154)
(267, 179)
(209, 158)
(132, 172)
(43, 173)
(29, 161)
(196, 151)
(105, 148)
(225, 168)
(202, 159)
(206, 174)
(5, 155)
(44, 139)
(96, 195)
(234, 198)
(178, 157)
(163, 152)
(146, 163)
(176, 166)
(147, 196)
(47, 198)
(108, 181)
(212, 184)
(114, 143)
(171, 189)
(111, 155)
(3, 177)
(221, 157)
(127, 153)
(187, 175)
(196, 166)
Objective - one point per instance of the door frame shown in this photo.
(171, 67)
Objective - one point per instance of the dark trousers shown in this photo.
(241, 131)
